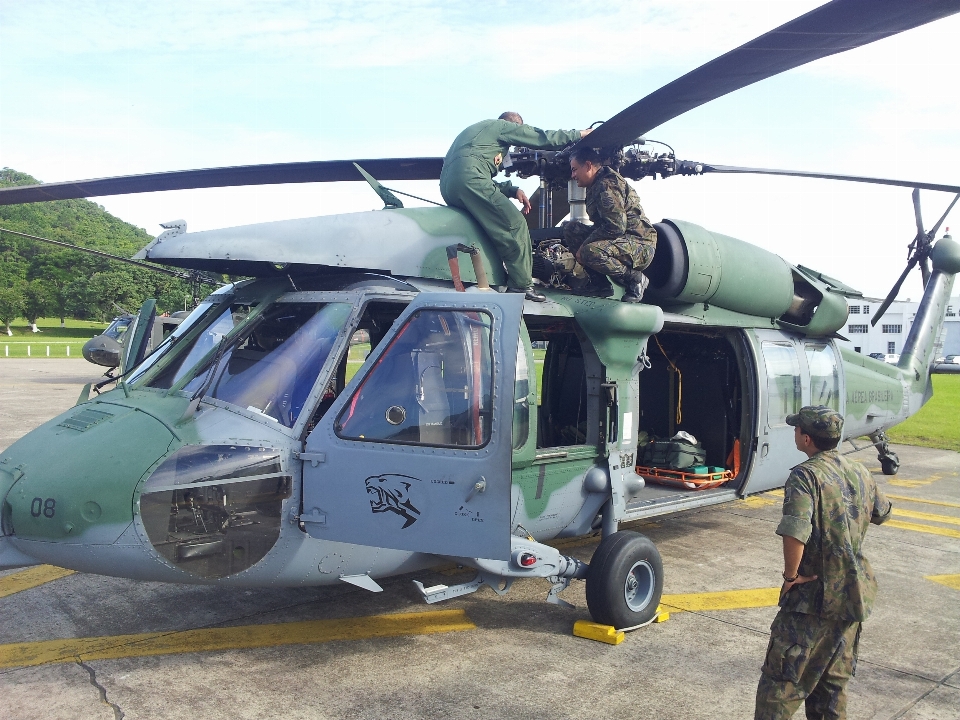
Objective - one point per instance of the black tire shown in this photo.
(625, 580)
(890, 464)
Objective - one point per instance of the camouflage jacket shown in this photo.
(828, 503)
(614, 208)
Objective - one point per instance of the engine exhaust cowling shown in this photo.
(693, 265)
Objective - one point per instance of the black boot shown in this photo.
(598, 287)
(596, 284)
(636, 284)
(530, 293)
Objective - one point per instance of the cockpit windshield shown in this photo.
(265, 361)
(272, 366)
(118, 327)
(201, 315)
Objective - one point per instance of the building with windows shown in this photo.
(889, 335)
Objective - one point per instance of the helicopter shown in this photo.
(241, 451)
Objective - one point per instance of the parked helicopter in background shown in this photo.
(106, 349)
(239, 453)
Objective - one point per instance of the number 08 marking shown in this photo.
(47, 508)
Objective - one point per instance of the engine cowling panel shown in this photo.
(694, 265)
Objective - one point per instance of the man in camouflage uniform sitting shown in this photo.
(829, 586)
(621, 242)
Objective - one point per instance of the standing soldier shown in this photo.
(621, 242)
(466, 182)
(829, 586)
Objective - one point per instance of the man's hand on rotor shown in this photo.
(584, 133)
(522, 198)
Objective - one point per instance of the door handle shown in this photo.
(764, 449)
(478, 487)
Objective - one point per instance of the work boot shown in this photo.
(529, 293)
(593, 287)
(636, 284)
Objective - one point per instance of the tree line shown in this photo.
(41, 280)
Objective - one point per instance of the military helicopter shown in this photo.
(239, 453)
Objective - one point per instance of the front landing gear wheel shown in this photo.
(890, 464)
(625, 580)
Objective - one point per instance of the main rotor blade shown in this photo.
(832, 28)
(736, 170)
(933, 230)
(916, 212)
(892, 295)
(273, 174)
(100, 253)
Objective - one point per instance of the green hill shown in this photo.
(42, 280)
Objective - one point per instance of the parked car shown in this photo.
(876, 356)
(891, 358)
(952, 359)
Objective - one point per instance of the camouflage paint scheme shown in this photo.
(731, 287)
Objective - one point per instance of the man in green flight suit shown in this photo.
(466, 182)
(622, 241)
(829, 586)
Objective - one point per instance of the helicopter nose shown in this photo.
(102, 350)
(72, 479)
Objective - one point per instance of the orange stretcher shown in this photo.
(685, 479)
(713, 478)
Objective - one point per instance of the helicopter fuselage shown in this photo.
(252, 448)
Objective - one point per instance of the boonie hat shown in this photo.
(818, 421)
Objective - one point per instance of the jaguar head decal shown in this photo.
(391, 493)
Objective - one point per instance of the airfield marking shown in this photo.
(916, 527)
(31, 578)
(915, 483)
(951, 581)
(723, 600)
(757, 501)
(927, 516)
(232, 638)
(942, 503)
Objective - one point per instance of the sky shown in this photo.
(96, 89)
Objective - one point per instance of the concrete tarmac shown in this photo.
(515, 657)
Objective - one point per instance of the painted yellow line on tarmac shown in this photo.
(724, 600)
(757, 501)
(917, 527)
(941, 503)
(31, 578)
(916, 483)
(232, 638)
(948, 519)
(951, 581)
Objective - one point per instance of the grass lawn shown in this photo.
(937, 425)
(25, 343)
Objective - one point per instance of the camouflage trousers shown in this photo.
(611, 257)
(809, 660)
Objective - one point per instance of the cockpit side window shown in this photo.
(432, 386)
(376, 319)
